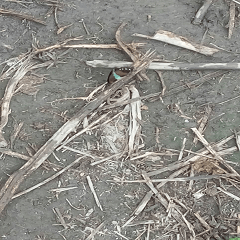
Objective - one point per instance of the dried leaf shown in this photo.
(29, 84)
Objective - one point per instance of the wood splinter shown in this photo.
(94, 193)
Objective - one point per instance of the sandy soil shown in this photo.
(31, 216)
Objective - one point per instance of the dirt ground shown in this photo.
(31, 216)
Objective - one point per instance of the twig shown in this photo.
(171, 38)
(123, 45)
(138, 237)
(146, 154)
(166, 66)
(55, 17)
(161, 199)
(91, 236)
(224, 152)
(229, 100)
(103, 46)
(183, 179)
(82, 131)
(237, 136)
(60, 217)
(187, 160)
(51, 3)
(238, 227)
(119, 234)
(229, 194)
(204, 232)
(157, 135)
(78, 209)
(173, 175)
(19, 2)
(9, 152)
(148, 232)
(182, 149)
(59, 190)
(62, 236)
(84, 26)
(21, 15)
(148, 196)
(212, 151)
(89, 46)
(105, 159)
(131, 52)
(220, 48)
(176, 213)
(231, 18)
(203, 123)
(80, 152)
(191, 181)
(95, 91)
(189, 225)
(144, 222)
(202, 221)
(216, 117)
(48, 179)
(163, 84)
(60, 29)
(71, 98)
(236, 1)
(94, 193)
(14, 154)
(202, 12)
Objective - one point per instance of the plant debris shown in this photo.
(97, 145)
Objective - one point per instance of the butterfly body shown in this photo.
(117, 74)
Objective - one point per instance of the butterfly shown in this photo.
(117, 74)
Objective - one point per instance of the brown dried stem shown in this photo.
(123, 45)
(21, 15)
(48, 179)
(202, 11)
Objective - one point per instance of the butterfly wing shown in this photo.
(117, 74)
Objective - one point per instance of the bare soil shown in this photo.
(31, 216)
